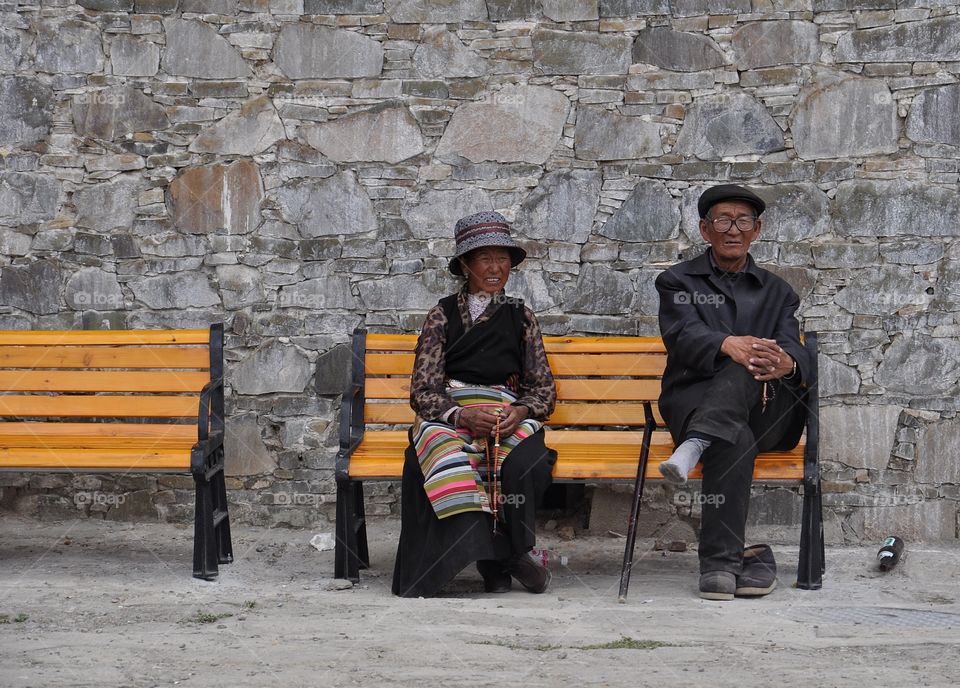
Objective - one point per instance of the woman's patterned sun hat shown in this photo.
(481, 230)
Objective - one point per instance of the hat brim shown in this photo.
(517, 256)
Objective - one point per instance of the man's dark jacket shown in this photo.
(698, 310)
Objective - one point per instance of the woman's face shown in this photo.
(487, 269)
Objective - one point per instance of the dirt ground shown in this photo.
(90, 603)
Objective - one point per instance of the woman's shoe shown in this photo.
(496, 578)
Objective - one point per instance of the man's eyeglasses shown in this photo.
(745, 223)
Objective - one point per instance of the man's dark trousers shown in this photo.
(732, 413)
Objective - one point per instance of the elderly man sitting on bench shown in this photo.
(733, 384)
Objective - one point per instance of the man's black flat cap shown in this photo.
(728, 192)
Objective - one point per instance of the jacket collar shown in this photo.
(701, 265)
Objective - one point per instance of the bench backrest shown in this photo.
(98, 374)
(600, 380)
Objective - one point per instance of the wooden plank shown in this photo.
(408, 342)
(104, 357)
(582, 455)
(32, 458)
(569, 413)
(581, 390)
(647, 365)
(97, 337)
(101, 406)
(93, 435)
(89, 381)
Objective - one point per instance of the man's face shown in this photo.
(733, 244)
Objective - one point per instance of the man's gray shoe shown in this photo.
(758, 576)
(672, 473)
(717, 585)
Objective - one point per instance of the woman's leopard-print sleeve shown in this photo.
(428, 396)
(538, 392)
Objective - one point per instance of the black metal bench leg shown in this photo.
(221, 516)
(812, 562)
(346, 560)
(204, 536)
(360, 519)
(635, 512)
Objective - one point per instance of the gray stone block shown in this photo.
(108, 205)
(575, 52)
(937, 451)
(318, 293)
(240, 286)
(839, 254)
(245, 453)
(920, 365)
(325, 207)
(342, 6)
(538, 291)
(442, 54)
(562, 207)
(505, 10)
(209, 6)
(676, 50)
(117, 111)
(26, 110)
(251, 130)
(600, 290)
(12, 52)
(435, 11)
(839, 115)
(273, 367)
(131, 56)
(794, 212)
(333, 370)
(883, 290)
(722, 125)
(437, 211)
(697, 8)
(386, 133)
(605, 135)
(570, 10)
(178, 291)
(836, 379)
(858, 436)
(632, 8)
(933, 117)
(894, 208)
(515, 124)
(649, 214)
(304, 51)
(27, 198)
(771, 43)
(92, 288)
(68, 47)
(931, 39)
(194, 49)
(34, 288)
(107, 5)
(407, 292)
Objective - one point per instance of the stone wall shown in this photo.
(294, 167)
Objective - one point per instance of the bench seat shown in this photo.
(606, 428)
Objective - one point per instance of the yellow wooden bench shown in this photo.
(127, 401)
(606, 428)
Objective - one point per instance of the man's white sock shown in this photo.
(684, 458)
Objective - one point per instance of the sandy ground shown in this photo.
(88, 603)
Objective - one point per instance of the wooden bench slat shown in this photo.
(91, 435)
(99, 406)
(103, 357)
(106, 337)
(583, 454)
(109, 459)
(91, 381)
(581, 390)
(561, 364)
(569, 413)
(553, 344)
